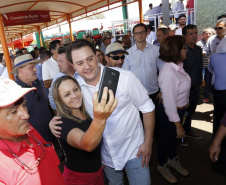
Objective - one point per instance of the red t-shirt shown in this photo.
(13, 173)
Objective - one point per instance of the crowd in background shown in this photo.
(161, 74)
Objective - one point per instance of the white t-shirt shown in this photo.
(49, 69)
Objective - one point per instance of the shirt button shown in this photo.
(23, 145)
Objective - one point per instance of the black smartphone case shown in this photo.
(109, 79)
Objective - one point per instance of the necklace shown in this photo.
(23, 164)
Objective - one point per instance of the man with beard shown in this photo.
(182, 23)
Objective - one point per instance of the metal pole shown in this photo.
(5, 49)
(69, 22)
(140, 11)
(165, 11)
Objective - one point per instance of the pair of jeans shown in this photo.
(134, 171)
(193, 102)
(167, 142)
(205, 73)
(218, 113)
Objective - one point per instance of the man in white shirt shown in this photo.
(143, 61)
(156, 10)
(177, 7)
(125, 145)
(50, 67)
(213, 41)
(182, 23)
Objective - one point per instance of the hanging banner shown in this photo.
(21, 18)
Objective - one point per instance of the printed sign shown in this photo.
(21, 18)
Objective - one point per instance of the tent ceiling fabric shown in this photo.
(59, 11)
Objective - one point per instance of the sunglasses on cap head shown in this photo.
(218, 28)
(118, 57)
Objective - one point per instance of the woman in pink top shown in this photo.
(175, 85)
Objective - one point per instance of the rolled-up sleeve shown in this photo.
(139, 94)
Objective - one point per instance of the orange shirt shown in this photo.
(12, 172)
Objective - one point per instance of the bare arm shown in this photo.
(215, 148)
(90, 139)
(145, 149)
(47, 83)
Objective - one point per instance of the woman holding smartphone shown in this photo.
(80, 135)
(175, 85)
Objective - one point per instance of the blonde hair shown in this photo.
(61, 108)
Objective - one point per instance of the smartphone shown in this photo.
(109, 79)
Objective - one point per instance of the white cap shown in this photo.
(10, 91)
(115, 48)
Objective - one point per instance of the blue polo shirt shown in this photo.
(38, 109)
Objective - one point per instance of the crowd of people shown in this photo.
(55, 94)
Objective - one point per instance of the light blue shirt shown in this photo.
(155, 10)
(145, 65)
(218, 67)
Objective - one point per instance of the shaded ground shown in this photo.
(194, 157)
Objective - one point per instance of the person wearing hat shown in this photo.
(37, 106)
(26, 158)
(172, 29)
(66, 41)
(106, 41)
(115, 55)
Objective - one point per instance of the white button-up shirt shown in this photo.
(211, 45)
(178, 6)
(144, 64)
(154, 11)
(124, 132)
(49, 69)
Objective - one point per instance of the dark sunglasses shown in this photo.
(218, 28)
(118, 57)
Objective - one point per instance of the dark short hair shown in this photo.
(61, 50)
(53, 45)
(33, 54)
(36, 48)
(181, 15)
(41, 49)
(19, 53)
(170, 49)
(165, 31)
(1, 57)
(221, 16)
(78, 44)
(150, 5)
(23, 49)
(45, 54)
(142, 25)
(188, 27)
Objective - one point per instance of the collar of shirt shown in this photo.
(135, 46)
(15, 146)
(21, 83)
(52, 59)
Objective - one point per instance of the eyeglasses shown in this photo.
(218, 28)
(118, 57)
(37, 95)
(140, 33)
(37, 162)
